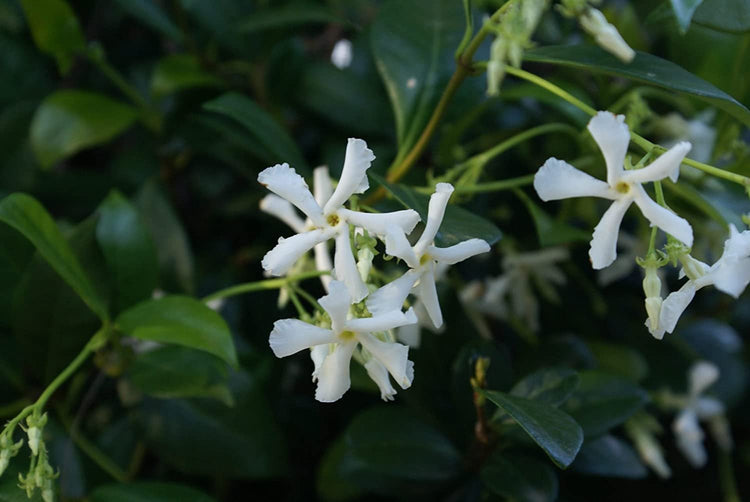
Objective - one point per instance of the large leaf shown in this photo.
(55, 30)
(26, 215)
(128, 250)
(458, 223)
(261, 127)
(151, 14)
(549, 385)
(520, 478)
(288, 16)
(413, 44)
(553, 430)
(724, 15)
(644, 68)
(182, 321)
(148, 491)
(176, 72)
(683, 12)
(611, 457)
(70, 120)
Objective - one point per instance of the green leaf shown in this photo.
(180, 320)
(55, 29)
(549, 385)
(520, 478)
(15, 254)
(288, 16)
(724, 15)
(151, 14)
(148, 491)
(620, 360)
(683, 12)
(70, 120)
(261, 127)
(644, 68)
(176, 72)
(331, 483)
(413, 44)
(458, 223)
(611, 457)
(603, 401)
(174, 372)
(553, 430)
(128, 250)
(549, 231)
(26, 215)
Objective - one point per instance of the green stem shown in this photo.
(250, 287)
(495, 186)
(727, 478)
(11, 409)
(534, 79)
(308, 297)
(297, 304)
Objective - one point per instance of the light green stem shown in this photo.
(493, 152)
(495, 186)
(250, 287)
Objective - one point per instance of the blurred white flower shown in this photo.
(697, 131)
(605, 34)
(341, 56)
(642, 429)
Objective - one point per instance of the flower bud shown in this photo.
(693, 268)
(35, 439)
(605, 34)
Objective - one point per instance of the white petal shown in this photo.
(738, 244)
(396, 244)
(287, 184)
(667, 165)
(427, 293)
(353, 175)
(663, 218)
(557, 179)
(379, 374)
(378, 223)
(280, 259)
(318, 354)
(323, 263)
(336, 303)
(732, 278)
(707, 407)
(381, 322)
(674, 305)
(289, 336)
(333, 377)
(391, 297)
(346, 268)
(394, 356)
(411, 335)
(604, 242)
(435, 213)
(458, 252)
(701, 376)
(283, 210)
(611, 134)
(690, 438)
(322, 186)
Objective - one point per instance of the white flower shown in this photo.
(422, 258)
(341, 56)
(730, 274)
(605, 34)
(697, 131)
(557, 179)
(333, 348)
(331, 220)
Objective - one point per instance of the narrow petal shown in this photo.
(323, 263)
(391, 297)
(378, 223)
(410, 335)
(353, 175)
(435, 213)
(333, 377)
(382, 322)
(458, 252)
(732, 278)
(674, 305)
(557, 179)
(701, 376)
(280, 259)
(346, 268)
(322, 186)
(394, 356)
(663, 218)
(336, 303)
(604, 242)
(379, 374)
(612, 135)
(427, 293)
(287, 184)
(289, 336)
(689, 437)
(667, 165)
(396, 244)
(318, 354)
(283, 210)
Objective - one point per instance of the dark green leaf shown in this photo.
(332, 483)
(550, 385)
(724, 15)
(128, 251)
(180, 71)
(152, 15)
(611, 457)
(15, 253)
(458, 223)
(549, 231)
(55, 30)
(261, 126)
(182, 321)
(26, 215)
(68, 121)
(553, 430)
(520, 478)
(148, 491)
(603, 401)
(683, 12)
(644, 68)
(620, 360)
(288, 16)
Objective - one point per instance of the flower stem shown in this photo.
(496, 186)
(727, 478)
(250, 287)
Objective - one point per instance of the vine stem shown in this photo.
(250, 287)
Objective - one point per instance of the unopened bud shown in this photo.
(693, 268)
(606, 35)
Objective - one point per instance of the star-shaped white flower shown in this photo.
(331, 220)
(557, 179)
(422, 259)
(333, 348)
(730, 274)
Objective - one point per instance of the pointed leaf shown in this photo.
(180, 71)
(724, 15)
(520, 478)
(148, 491)
(288, 16)
(151, 14)
(55, 29)
(549, 385)
(609, 456)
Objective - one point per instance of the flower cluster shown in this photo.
(345, 326)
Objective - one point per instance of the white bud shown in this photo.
(4, 460)
(35, 439)
(606, 35)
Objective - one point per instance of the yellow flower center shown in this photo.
(345, 336)
(622, 187)
(424, 259)
(333, 219)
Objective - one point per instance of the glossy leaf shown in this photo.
(332, 483)
(645, 68)
(26, 215)
(288, 16)
(550, 385)
(55, 29)
(620, 360)
(611, 457)
(724, 15)
(180, 71)
(549, 231)
(182, 321)
(70, 120)
(520, 478)
(683, 12)
(553, 430)
(148, 491)
(151, 14)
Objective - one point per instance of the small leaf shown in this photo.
(180, 320)
(26, 215)
(549, 231)
(611, 457)
(288, 16)
(151, 14)
(644, 68)
(180, 71)
(553, 430)
(683, 12)
(724, 15)
(520, 478)
(458, 223)
(549, 385)
(55, 29)
(68, 121)
(148, 491)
